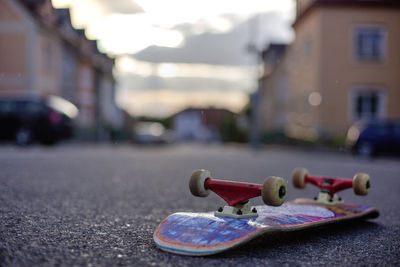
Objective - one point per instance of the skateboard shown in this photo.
(199, 234)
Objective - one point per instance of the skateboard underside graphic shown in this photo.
(200, 234)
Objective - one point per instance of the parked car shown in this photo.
(373, 138)
(30, 119)
(152, 133)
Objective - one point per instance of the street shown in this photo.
(99, 205)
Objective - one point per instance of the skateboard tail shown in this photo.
(181, 251)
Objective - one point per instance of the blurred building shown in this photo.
(274, 89)
(343, 66)
(200, 124)
(42, 54)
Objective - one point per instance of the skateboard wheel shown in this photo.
(196, 183)
(274, 191)
(361, 184)
(299, 177)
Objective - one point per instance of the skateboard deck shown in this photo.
(199, 234)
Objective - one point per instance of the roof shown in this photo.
(301, 14)
(211, 116)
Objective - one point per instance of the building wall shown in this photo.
(322, 62)
(106, 96)
(12, 76)
(273, 94)
(341, 72)
(86, 98)
(301, 5)
(110, 114)
(30, 55)
(13, 50)
(69, 66)
(304, 76)
(48, 68)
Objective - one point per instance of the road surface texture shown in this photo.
(99, 205)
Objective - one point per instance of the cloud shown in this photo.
(153, 82)
(226, 48)
(119, 6)
(94, 14)
(124, 33)
(218, 24)
(208, 69)
(174, 12)
(208, 37)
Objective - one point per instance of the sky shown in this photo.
(183, 53)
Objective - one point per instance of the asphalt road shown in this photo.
(88, 205)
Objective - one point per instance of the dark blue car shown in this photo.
(27, 119)
(374, 138)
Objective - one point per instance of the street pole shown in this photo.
(254, 123)
(255, 97)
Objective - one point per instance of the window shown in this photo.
(369, 42)
(368, 104)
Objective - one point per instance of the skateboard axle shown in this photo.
(234, 192)
(237, 194)
(329, 185)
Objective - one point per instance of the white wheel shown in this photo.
(361, 184)
(274, 191)
(298, 178)
(196, 183)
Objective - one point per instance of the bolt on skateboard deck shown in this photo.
(208, 233)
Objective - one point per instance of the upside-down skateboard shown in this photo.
(209, 233)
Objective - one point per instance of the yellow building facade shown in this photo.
(30, 57)
(343, 66)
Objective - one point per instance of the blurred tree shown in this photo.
(230, 132)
